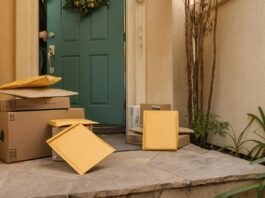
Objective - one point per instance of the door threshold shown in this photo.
(109, 129)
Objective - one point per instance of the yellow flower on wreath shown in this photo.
(78, 3)
(91, 4)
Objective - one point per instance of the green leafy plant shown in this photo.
(256, 151)
(259, 148)
(214, 125)
(260, 187)
(238, 141)
(260, 120)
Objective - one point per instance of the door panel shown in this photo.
(90, 58)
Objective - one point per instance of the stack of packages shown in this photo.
(160, 122)
(25, 132)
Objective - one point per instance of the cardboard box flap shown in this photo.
(80, 147)
(137, 130)
(36, 81)
(183, 130)
(69, 122)
(160, 130)
(38, 92)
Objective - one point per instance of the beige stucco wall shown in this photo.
(19, 39)
(159, 52)
(240, 79)
(7, 41)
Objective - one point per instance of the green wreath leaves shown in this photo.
(84, 7)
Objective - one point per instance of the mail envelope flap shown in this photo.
(68, 122)
(36, 81)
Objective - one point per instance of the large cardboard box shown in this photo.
(34, 104)
(23, 135)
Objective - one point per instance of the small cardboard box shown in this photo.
(34, 104)
(136, 138)
(150, 107)
(23, 135)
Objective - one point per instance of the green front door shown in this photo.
(89, 55)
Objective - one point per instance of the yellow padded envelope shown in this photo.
(80, 147)
(68, 122)
(160, 130)
(36, 81)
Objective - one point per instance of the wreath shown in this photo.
(84, 7)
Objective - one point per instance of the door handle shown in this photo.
(51, 53)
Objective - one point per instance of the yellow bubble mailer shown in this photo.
(160, 130)
(36, 81)
(69, 122)
(80, 147)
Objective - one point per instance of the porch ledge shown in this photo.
(126, 173)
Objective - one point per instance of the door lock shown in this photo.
(51, 53)
(51, 50)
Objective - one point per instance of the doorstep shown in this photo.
(189, 172)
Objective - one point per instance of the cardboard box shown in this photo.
(182, 130)
(135, 138)
(34, 104)
(24, 134)
(155, 107)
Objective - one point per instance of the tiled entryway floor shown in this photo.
(131, 174)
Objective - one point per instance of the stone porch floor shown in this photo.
(189, 172)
